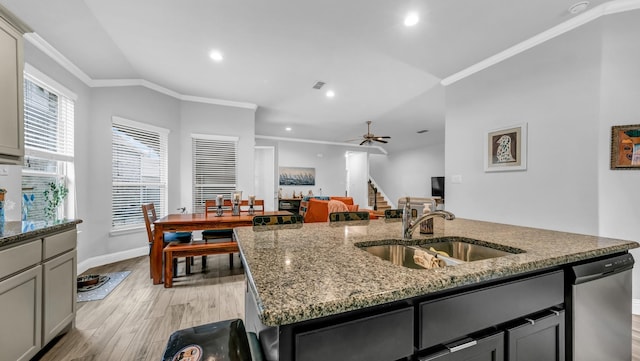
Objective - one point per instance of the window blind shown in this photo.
(48, 137)
(139, 171)
(214, 168)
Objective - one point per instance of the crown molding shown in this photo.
(14, 21)
(37, 41)
(54, 54)
(608, 8)
(313, 141)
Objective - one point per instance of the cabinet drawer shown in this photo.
(449, 318)
(20, 257)
(59, 243)
(388, 336)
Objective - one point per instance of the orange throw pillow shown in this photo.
(352, 207)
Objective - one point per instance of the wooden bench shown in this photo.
(193, 249)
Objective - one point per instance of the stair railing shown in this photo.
(373, 193)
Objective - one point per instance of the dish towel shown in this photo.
(426, 260)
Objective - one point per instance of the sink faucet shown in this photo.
(408, 226)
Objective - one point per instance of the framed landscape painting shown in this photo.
(297, 176)
(506, 149)
(625, 147)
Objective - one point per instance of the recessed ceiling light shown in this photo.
(288, 129)
(411, 19)
(330, 94)
(216, 55)
(579, 7)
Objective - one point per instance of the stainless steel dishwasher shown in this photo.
(601, 310)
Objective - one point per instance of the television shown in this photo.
(437, 187)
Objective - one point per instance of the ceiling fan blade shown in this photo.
(384, 137)
(365, 141)
(381, 141)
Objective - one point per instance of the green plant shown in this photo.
(54, 196)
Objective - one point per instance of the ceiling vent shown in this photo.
(318, 85)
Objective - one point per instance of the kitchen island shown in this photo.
(311, 281)
(37, 285)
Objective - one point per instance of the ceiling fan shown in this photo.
(369, 137)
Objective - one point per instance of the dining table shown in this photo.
(188, 222)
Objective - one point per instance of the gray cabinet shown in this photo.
(11, 89)
(59, 295)
(37, 293)
(20, 315)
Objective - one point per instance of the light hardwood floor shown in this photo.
(136, 319)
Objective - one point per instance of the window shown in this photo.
(48, 138)
(214, 168)
(139, 171)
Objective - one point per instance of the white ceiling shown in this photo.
(274, 51)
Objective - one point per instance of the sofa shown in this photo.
(316, 209)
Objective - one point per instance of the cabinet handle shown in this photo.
(557, 313)
(530, 321)
(468, 342)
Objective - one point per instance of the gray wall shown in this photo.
(570, 91)
(93, 112)
(553, 87)
(408, 173)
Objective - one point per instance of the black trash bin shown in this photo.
(224, 341)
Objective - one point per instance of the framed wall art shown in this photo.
(297, 176)
(625, 146)
(506, 149)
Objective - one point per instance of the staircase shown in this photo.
(376, 200)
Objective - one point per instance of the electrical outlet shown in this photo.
(4, 171)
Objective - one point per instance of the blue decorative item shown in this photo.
(27, 203)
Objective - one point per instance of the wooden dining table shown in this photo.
(185, 222)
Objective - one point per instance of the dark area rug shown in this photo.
(107, 283)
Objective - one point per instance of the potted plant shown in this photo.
(54, 197)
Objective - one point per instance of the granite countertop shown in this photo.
(304, 273)
(16, 232)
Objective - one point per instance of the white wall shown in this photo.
(619, 203)
(553, 87)
(408, 173)
(328, 161)
(200, 118)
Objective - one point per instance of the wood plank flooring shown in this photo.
(134, 322)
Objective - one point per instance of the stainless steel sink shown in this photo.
(438, 252)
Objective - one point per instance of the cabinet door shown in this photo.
(489, 348)
(539, 339)
(11, 136)
(20, 315)
(59, 298)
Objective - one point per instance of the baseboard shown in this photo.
(635, 306)
(112, 257)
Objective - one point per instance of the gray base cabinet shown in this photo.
(20, 315)
(59, 295)
(37, 293)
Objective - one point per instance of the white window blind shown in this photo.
(139, 171)
(48, 137)
(214, 168)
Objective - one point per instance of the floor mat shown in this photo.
(107, 283)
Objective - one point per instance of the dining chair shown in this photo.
(149, 214)
(397, 213)
(277, 220)
(348, 216)
(218, 235)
